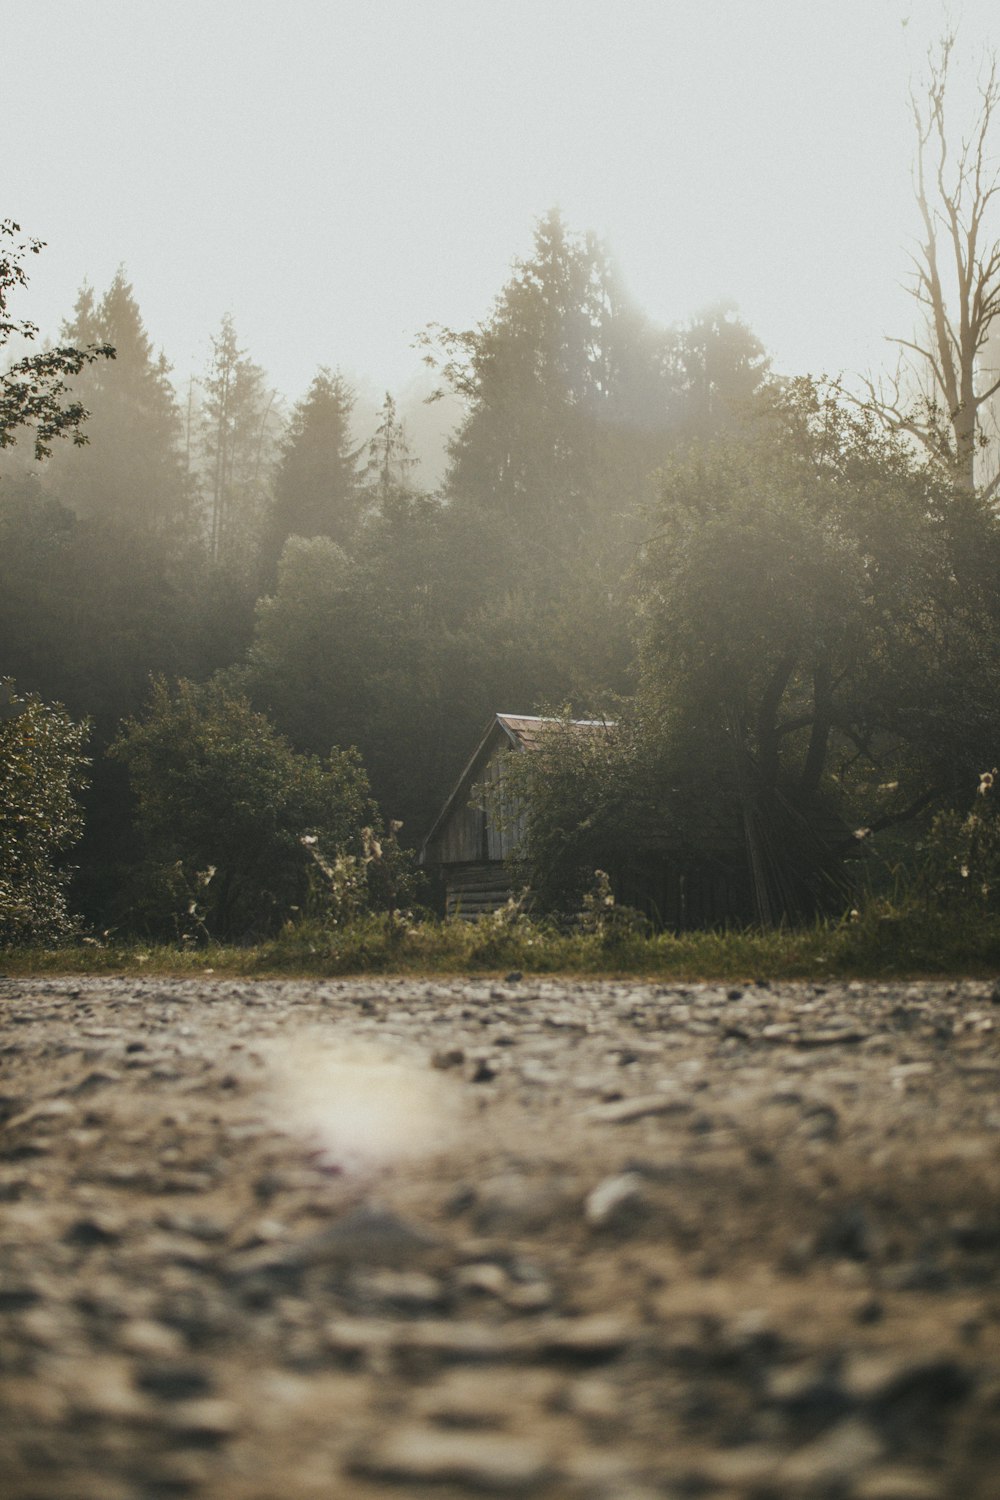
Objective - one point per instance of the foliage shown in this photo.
(957, 867)
(719, 368)
(41, 778)
(817, 657)
(34, 390)
(582, 799)
(316, 482)
(353, 650)
(603, 917)
(388, 472)
(566, 394)
(381, 877)
(879, 941)
(572, 398)
(131, 473)
(817, 637)
(89, 608)
(239, 423)
(218, 790)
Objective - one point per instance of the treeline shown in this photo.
(284, 647)
(306, 579)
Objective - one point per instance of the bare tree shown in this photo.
(941, 391)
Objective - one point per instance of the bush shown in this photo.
(582, 798)
(41, 775)
(229, 814)
(959, 867)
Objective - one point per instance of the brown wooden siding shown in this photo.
(474, 890)
(468, 835)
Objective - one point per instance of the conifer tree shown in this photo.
(238, 431)
(563, 384)
(317, 487)
(131, 471)
(390, 464)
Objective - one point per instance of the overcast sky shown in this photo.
(338, 175)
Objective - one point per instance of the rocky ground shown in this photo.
(574, 1240)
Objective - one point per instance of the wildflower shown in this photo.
(986, 780)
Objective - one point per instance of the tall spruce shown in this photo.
(561, 363)
(239, 422)
(131, 470)
(317, 487)
(389, 470)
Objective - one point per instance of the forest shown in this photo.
(245, 651)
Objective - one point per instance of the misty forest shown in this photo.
(247, 648)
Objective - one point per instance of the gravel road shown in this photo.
(568, 1239)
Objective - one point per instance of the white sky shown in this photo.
(338, 175)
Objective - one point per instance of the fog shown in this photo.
(430, 322)
(336, 176)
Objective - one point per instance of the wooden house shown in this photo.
(470, 850)
(465, 843)
(723, 881)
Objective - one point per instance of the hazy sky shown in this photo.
(337, 175)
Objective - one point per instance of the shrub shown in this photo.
(41, 775)
(223, 806)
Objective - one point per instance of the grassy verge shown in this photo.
(881, 944)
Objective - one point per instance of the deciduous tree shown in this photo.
(223, 804)
(35, 390)
(943, 385)
(42, 773)
(816, 646)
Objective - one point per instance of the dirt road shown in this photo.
(572, 1240)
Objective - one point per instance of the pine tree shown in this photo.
(131, 471)
(561, 369)
(390, 464)
(720, 367)
(317, 488)
(238, 431)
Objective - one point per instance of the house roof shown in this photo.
(525, 730)
(522, 732)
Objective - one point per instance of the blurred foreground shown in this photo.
(580, 1240)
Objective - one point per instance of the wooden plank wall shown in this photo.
(469, 835)
(475, 890)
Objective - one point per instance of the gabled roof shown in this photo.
(525, 730)
(521, 732)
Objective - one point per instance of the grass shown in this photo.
(884, 942)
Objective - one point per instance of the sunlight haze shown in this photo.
(337, 176)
